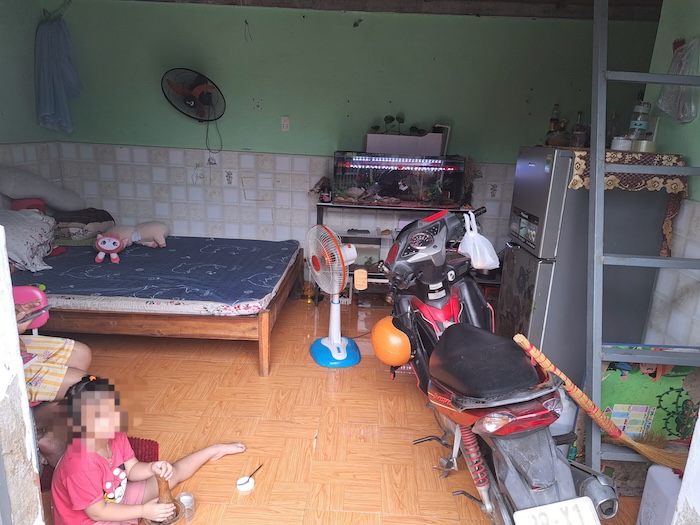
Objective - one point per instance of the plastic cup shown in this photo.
(187, 500)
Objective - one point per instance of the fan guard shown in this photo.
(329, 259)
(193, 94)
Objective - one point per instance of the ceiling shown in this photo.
(631, 10)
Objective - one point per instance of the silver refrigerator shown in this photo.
(545, 264)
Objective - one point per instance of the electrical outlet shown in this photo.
(284, 123)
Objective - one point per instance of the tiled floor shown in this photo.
(335, 444)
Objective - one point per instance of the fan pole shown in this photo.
(334, 322)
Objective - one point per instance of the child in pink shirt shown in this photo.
(99, 481)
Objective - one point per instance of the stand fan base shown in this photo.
(332, 355)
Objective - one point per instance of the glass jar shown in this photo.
(639, 121)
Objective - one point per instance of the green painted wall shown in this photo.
(18, 21)
(335, 74)
(679, 19)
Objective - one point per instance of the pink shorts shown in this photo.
(133, 495)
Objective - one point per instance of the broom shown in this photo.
(675, 460)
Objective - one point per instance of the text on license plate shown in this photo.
(578, 511)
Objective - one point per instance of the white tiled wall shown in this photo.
(266, 196)
(675, 310)
(226, 194)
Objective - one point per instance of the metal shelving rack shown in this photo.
(596, 354)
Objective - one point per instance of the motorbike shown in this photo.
(496, 404)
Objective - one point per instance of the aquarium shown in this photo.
(392, 180)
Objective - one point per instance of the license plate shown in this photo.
(578, 511)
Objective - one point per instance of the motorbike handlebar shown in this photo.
(402, 272)
(479, 211)
(390, 297)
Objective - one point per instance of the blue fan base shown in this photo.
(344, 355)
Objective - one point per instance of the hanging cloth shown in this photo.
(55, 78)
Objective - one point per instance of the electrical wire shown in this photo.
(358, 336)
(221, 140)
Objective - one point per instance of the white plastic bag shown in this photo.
(680, 102)
(477, 247)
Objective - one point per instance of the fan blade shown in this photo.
(200, 110)
(176, 88)
(201, 89)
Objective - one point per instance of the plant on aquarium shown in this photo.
(392, 124)
(323, 184)
(343, 193)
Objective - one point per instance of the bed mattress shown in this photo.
(192, 275)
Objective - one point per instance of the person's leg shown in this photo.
(185, 467)
(51, 429)
(52, 448)
(58, 366)
(80, 357)
(72, 376)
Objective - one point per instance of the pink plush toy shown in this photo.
(114, 240)
(108, 245)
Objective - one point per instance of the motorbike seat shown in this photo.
(477, 363)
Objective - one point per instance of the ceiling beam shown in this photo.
(630, 10)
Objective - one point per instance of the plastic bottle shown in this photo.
(554, 119)
(639, 121)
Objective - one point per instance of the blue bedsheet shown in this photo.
(226, 271)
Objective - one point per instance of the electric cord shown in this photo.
(359, 336)
(221, 140)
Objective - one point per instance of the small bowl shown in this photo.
(644, 146)
(245, 484)
(621, 144)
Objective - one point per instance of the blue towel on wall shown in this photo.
(55, 78)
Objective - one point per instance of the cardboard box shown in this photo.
(429, 145)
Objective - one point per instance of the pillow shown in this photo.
(17, 183)
(29, 236)
(82, 224)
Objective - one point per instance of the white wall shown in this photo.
(688, 505)
(16, 435)
(675, 311)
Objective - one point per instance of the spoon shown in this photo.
(246, 479)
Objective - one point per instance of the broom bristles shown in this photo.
(667, 458)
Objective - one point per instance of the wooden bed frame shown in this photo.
(239, 328)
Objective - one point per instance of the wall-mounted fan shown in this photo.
(193, 94)
(328, 260)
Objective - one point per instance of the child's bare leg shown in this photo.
(50, 420)
(185, 467)
(80, 357)
(73, 375)
(52, 448)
